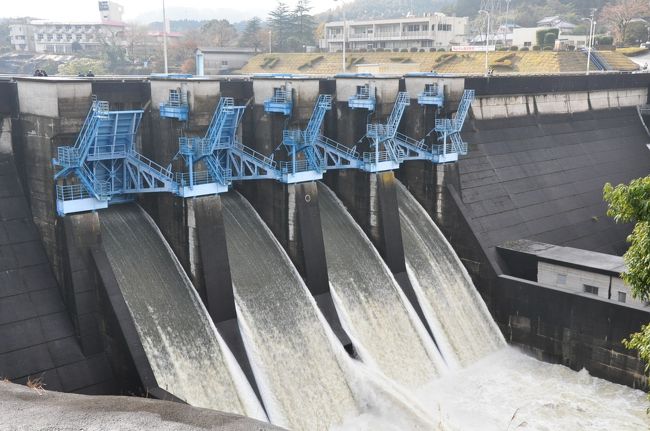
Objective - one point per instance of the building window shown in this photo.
(561, 279)
(528, 43)
(591, 289)
(426, 43)
(444, 27)
(621, 296)
(224, 62)
(413, 27)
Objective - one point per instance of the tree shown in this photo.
(253, 36)
(303, 24)
(631, 203)
(617, 16)
(280, 23)
(219, 32)
(636, 33)
(82, 65)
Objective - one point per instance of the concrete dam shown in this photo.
(340, 252)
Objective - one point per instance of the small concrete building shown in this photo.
(222, 60)
(575, 270)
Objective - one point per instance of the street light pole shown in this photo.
(487, 38)
(590, 40)
(505, 37)
(344, 32)
(165, 37)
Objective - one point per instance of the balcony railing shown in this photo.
(383, 36)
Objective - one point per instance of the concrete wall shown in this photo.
(175, 216)
(51, 114)
(491, 107)
(577, 330)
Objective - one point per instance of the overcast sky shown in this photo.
(87, 10)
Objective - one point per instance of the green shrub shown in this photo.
(604, 40)
(536, 48)
(549, 39)
(547, 48)
(514, 48)
(524, 48)
(540, 35)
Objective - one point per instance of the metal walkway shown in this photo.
(104, 167)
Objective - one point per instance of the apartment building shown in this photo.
(436, 30)
(65, 37)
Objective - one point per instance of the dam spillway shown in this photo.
(301, 380)
(464, 323)
(256, 265)
(181, 344)
(373, 303)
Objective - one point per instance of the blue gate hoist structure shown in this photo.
(104, 167)
(105, 164)
(176, 106)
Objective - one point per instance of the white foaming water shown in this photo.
(306, 378)
(501, 388)
(300, 379)
(185, 352)
(374, 311)
(508, 390)
(463, 326)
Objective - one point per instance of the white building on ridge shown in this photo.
(436, 30)
(67, 37)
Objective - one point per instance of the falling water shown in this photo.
(464, 327)
(187, 356)
(376, 314)
(301, 382)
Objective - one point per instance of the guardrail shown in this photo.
(71, 192)
(350, 152)
(259, 157)
(162, 172)
(296, 166)
(419, 145)
(376, 156)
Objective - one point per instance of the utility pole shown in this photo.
(344, 32)
(487, 38)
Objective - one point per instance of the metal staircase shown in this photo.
(448, 131)
(305, 161)
(103, 165)
(385, 154)
(597, 59)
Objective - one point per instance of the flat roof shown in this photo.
(568, 256)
